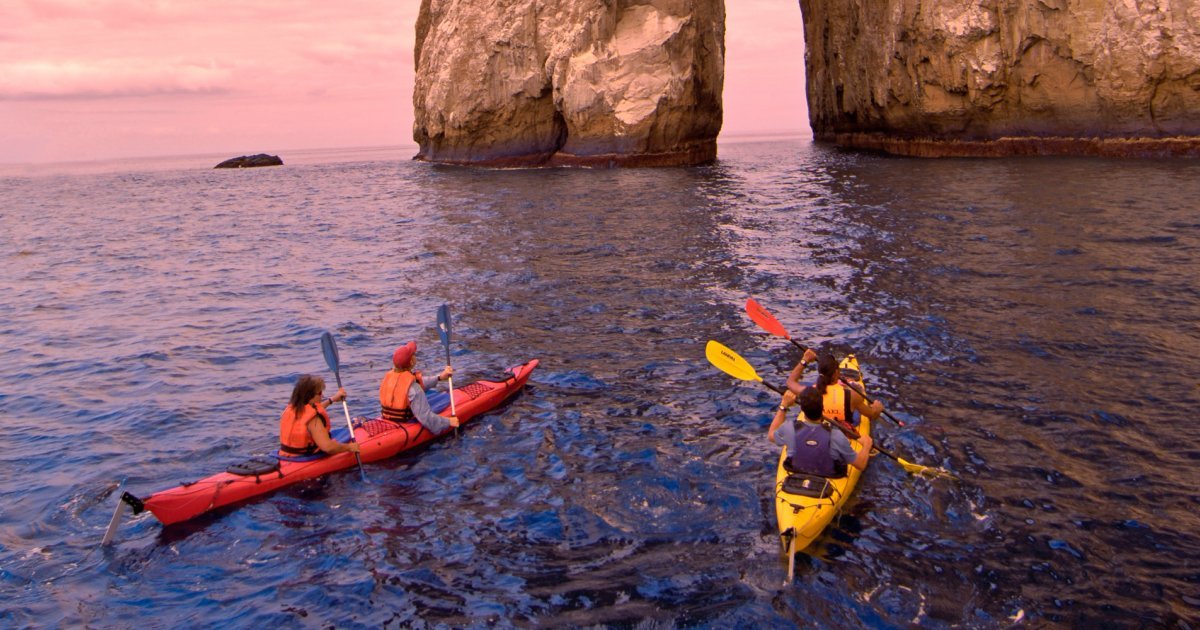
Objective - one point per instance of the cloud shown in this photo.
(108, 78)
(138, 14)
(276, 46)
(374, 51)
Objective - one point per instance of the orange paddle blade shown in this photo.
(765, 319)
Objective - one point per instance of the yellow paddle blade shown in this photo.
(730, 362)
(917, 469)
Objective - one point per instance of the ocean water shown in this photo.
(1033, 322)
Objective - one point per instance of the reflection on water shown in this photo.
(1032, 321)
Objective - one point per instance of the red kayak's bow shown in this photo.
(377, 438)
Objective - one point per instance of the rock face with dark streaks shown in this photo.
(569, 82)
(1003, 77)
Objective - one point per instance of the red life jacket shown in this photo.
(294, 438)
(393, 395)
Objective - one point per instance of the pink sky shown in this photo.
(96, 79)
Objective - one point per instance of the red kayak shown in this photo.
(378, 439)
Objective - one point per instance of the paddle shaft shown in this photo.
(444, 330)
(450, 380)
(870, 401)
(337, 374)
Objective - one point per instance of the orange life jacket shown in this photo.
(837, 403)
(294, 438)
(393, 395)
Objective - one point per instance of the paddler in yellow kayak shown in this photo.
(402, 393)
(304, 425)
(840, 402)
(816, 447)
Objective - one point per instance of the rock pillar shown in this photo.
(569, 82)
(1004, 77)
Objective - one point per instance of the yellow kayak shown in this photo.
(804, 504)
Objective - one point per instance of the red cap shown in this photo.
(403, 355)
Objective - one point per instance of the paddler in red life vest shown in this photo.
(306, 431)
(402, 393)
(840, 401)
(815, 446)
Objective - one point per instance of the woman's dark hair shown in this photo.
(306, 387)
(812, 403)
(827, 367)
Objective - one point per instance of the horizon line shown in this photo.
(735, 136)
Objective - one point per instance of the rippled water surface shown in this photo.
(1034, 322)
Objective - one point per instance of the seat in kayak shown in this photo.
(806, 485)
(256, 467)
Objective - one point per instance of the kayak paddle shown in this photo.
(767, 321)
(115, 521)
(443, 318)
(329, 348)
(734, 365)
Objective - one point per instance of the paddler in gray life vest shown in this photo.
(402, 393)
(814, 446)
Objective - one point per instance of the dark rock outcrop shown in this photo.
(249, 161)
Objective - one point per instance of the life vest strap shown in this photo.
(396, 415)
(298, 451)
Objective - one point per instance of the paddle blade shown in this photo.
(730, 362)
(765, 319)
(329, 348)
(917, 469)
(115, 521)
(443, 319)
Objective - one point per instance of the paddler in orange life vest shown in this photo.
(840, 401)
(304, 426)
(402, 393)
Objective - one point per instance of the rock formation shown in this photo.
(1003, 77)
(569, 82)
(248, 161)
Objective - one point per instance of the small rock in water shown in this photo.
(249, 161)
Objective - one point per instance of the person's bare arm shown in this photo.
(327, 444)
(780, 414)
(859, 403)
(793, 382)
(864, 453)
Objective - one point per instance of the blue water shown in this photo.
(1033, 321)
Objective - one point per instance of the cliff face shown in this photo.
(993, 77)
(528, 82)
